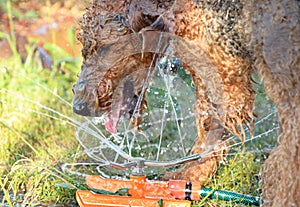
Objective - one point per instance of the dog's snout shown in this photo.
(81, 109)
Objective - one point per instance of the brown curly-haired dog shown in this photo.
(230, 39)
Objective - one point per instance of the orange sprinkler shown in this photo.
(138, 191)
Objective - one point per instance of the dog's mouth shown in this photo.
(122, 103)
(113, 93)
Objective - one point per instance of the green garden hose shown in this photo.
(229, 196)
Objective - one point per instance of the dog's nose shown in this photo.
(81, 109)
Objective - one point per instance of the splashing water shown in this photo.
(167, 130)
(171, 112)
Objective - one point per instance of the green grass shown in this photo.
(33, 146)
(239, 175)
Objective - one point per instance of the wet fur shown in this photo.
(238, 37)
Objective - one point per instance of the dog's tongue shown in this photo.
(111, 125)
(112, 119)
(122, 101)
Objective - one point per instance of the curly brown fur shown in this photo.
(275, 32)
(236, 37)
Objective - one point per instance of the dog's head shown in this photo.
(111, 79)
(115, 62)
